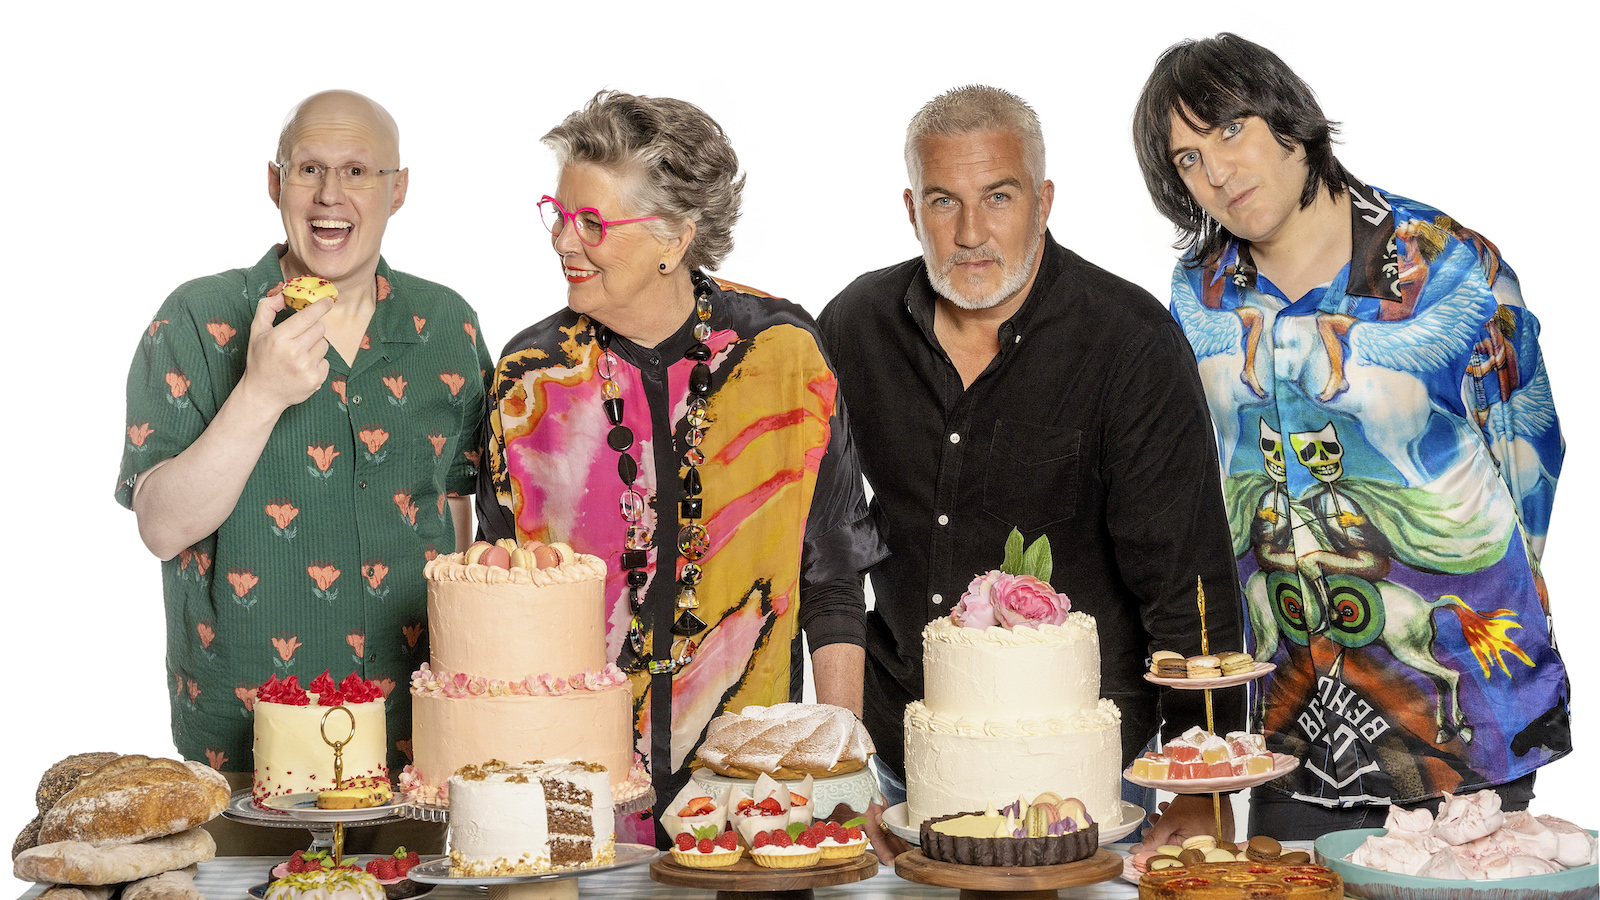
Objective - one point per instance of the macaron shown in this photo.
(1163, 663)
(1263, 849)
(299, 293)
(1166, 664)
(1204, 667)
(1235, 663)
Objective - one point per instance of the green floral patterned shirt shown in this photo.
(320, 564)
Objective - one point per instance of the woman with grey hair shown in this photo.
(686, 430)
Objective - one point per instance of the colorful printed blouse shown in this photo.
(783, 502)
(1390, 450)
(320, 565)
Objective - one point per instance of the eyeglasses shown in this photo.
(591, 228)
(354, 177)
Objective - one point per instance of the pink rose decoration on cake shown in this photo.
(1025, 600)
(976, 609)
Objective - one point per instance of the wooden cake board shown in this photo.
(1003, 883)
(744, 880)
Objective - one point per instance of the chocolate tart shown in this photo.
(1054, 850)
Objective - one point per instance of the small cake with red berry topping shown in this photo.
(795, 847)
(841, 841)
(696, 809)
(699, 850)
(291, 756)
(392, 869)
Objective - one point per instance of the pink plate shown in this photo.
(1281, 763)
(1200, 684)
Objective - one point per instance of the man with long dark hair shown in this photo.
(1389, 451)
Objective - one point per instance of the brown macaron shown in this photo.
(1263, 849)
(1166, 664)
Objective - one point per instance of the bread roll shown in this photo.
(76, 862)
(135, 798)
(177, 885)
(78, 892)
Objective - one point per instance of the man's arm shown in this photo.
(838, 669)
(188, 496)
(461, 514)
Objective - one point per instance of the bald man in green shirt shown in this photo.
(295, 470)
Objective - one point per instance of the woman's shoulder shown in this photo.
(546, 335)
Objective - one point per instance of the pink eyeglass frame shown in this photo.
(572, 217)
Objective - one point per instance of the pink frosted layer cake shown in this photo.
(475, 698)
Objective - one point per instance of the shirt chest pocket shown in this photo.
(1033, 474)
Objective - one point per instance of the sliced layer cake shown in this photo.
(518, 819)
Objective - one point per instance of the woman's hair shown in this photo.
(675, 162)
(1209, 83)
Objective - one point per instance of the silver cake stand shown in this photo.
(242, 808)
(546, 886)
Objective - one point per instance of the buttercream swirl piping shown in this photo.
(458, 685)
(1103, 715)
(450, 567)
(1077, 627)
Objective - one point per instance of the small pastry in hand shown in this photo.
(299, 293)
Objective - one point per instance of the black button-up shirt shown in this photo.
(1089, 426)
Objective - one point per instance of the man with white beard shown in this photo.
(999, 381)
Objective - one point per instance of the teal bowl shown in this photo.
(1375, 884)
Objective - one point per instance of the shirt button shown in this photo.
(362, 485)
(655, 360)
(938, 599)
(1017, 340)
(944, 520)
(356, 400)
(955, 438)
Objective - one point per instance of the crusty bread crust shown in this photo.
(135, 798)
(76, 862)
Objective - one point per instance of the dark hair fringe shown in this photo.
(1209, 83)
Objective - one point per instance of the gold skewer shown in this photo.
(1211, 722)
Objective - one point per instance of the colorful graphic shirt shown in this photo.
(320, 564)
(783, 501)
(1389, 451)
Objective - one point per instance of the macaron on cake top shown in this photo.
(299, 293)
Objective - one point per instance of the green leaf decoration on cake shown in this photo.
(795, 829)
(857, 822)
(704, 831)
(1035, 560)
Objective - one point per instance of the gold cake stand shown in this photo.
(299, 810)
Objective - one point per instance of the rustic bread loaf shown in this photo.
(64, 776)
(29, 836)
(78, 892)
(175, 885)
(77, 862)
(135, 798)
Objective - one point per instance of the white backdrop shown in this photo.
(134, 160)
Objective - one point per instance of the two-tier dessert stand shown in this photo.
(1281, 763)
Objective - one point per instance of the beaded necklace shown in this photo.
(694, 541)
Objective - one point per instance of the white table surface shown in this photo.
(230, 877)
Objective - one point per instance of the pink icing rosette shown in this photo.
(1025, 600)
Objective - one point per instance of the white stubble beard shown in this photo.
(942, 284)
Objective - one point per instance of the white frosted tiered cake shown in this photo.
(1008, 712)
(518, 671)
